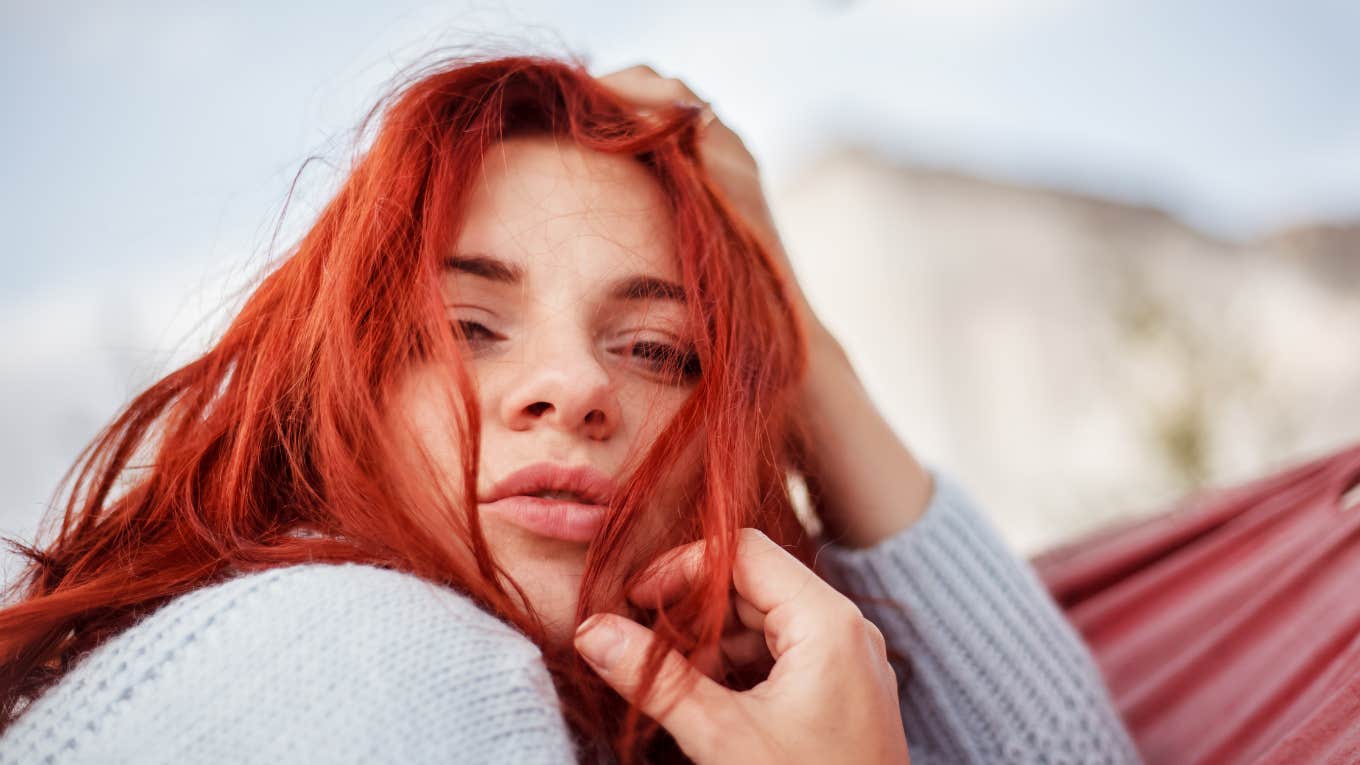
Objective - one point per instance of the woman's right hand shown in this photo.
(831, 695)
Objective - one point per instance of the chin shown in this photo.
(553, 588)
(549, 571)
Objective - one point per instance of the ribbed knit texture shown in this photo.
(305, 664)
(994, 673)
(349, 663)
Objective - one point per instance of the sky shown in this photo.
(149, 146)
(139, 133)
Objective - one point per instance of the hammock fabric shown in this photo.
(1228, 629)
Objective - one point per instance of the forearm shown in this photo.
(865, 483)
(990, 669)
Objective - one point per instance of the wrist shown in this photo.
(823, 347)
(829, 380)
(873, 523)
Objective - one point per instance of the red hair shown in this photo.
(270, 450)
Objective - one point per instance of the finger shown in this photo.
(750, 616)
(773, 584)
(744, 649)
(764, 574)
(742, 625)
(741, 616)
(739, 650)
(654, 96)
(683, 700)
(670, 576)
(711, 661)
(644, 87)
(770, 577)
(667, 578)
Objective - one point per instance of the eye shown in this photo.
(474, 333)
(680, 364)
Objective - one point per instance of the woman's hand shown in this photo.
(866, 484)
(831, 695)
(724, 156)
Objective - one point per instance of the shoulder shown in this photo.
(317, 662)
(359, 601)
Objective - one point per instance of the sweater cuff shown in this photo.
(947, 547)
(992, 670)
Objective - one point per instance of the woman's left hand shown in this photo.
(866, 483)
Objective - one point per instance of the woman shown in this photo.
(541, 359)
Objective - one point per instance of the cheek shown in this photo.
(681, 482)
(689, 473)
(650, 408)
(673, 509)
(425, 421)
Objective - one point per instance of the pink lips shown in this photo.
(574, 520)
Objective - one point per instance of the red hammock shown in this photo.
(1228, 629)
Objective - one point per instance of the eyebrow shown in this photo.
(486, 267)
(648, 288)
(630, 288)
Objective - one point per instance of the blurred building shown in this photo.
(1075, 360)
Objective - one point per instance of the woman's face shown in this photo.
(565, 285)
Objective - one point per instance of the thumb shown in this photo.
(683, 700)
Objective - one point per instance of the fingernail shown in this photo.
(599, 641)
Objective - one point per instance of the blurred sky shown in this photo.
(148, 146)
(141, 133)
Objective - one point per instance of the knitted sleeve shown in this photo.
(312, 663)
(993, 672)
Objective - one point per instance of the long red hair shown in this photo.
(269, 449)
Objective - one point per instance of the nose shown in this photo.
(563, 387)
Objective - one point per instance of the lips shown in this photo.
(580, 483)
(553, 501)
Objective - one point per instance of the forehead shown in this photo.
(542, 202)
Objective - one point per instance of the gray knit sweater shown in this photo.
(349, 663)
